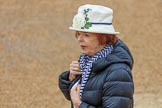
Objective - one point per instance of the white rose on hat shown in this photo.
(78, 21)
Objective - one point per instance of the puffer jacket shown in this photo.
(110, 84)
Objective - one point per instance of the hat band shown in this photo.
(101, 23)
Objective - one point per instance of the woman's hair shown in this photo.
(110, 39)
(104, 39)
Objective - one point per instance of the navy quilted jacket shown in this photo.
(110, 83)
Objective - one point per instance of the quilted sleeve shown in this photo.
(118, 89)
(64, 84)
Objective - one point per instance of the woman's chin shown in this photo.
(84, 52)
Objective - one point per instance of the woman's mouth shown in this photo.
(83, 47)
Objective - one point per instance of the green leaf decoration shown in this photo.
(86, 18)
(85, 11)
(87, 24)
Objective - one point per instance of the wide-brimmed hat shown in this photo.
(95, 19)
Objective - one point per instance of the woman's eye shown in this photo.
(86, 35)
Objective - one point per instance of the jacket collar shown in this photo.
(120, 54)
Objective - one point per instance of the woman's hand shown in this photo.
(74, 70)
(75, 96)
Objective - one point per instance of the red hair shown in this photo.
(107, 39)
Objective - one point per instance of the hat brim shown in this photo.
(97, 29)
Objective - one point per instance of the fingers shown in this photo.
(74, 70)
(75, 89)
(78, 87)
(75, 96)
(74, 73)
(75, 64)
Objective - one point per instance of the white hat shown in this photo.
(94, 18)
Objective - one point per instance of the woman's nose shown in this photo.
(80, 38)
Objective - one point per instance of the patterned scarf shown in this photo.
(86, 64)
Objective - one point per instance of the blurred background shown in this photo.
(36, 46)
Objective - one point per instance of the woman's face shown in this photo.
(88, 43)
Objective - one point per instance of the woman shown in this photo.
(101, 78)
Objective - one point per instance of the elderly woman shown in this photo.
(101, 77)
